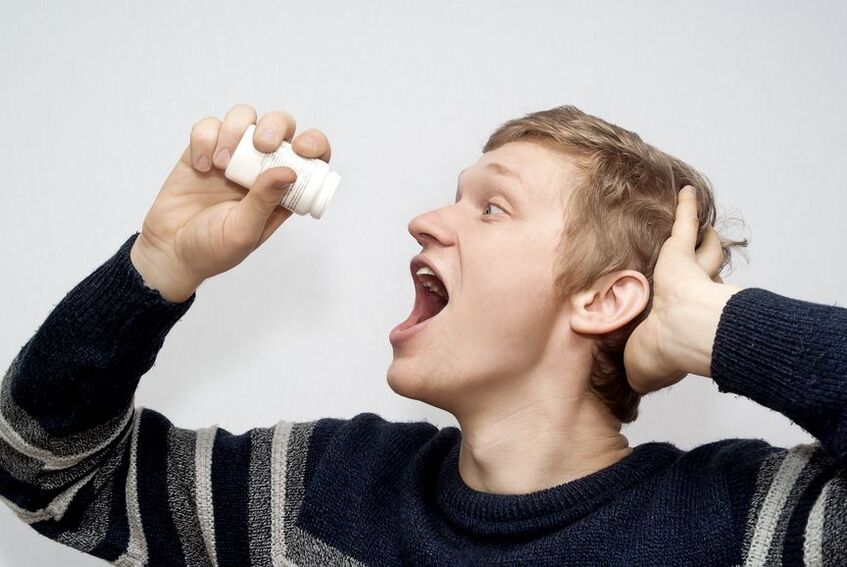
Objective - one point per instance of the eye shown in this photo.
(493, 205)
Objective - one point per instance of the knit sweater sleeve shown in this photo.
(789, 355)
(85, 467)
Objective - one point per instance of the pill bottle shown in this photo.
(310, 193)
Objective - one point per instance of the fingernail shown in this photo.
(202, 163)
(267, 135)
(222, 157)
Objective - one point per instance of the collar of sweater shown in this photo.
(488, 514)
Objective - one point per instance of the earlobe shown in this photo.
(614, 300)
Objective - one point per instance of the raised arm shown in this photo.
(81, 464)
(789, 355)
(786, 354)
(84, 467)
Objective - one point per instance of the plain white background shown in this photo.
(97, 100)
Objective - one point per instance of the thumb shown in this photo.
(263, 198)
(632, 362)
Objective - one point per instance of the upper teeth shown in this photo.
(430, 284)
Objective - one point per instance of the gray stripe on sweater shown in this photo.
(25, 434)
(182, 494)
(204, 501)
(259, 507)
(793, 462)
(20, 466)
(31, 471)
(302, 547)
(95, 521)
(136, 552)
(833, 550)
(55, 509)
(817, 461)
(767, 470)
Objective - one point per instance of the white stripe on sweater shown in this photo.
(279, 461)
(813, 541)
(203, 479)
(136, 552)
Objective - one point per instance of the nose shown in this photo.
(429, 227)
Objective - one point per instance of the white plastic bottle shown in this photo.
(310, 193)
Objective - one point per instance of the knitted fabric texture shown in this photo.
(82, 465)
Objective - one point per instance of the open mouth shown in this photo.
(431, 297)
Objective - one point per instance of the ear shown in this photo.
(613, 301)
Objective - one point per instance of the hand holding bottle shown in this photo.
(202, 224)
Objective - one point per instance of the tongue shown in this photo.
(432, 306)
(427, 305)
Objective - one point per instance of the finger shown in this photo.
(252, 212)
(278, 216)
(204, 136)
(686, 222)
(234, 124)
(710, 252)
(272, 129)
(312, 143)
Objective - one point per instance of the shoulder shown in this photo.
(749, 466)
(783, 499)
(368, 432)
(365, 443)
(733, 454)
(749, 456)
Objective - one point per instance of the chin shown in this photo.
(400, 382)
(408, 383)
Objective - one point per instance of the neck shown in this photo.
(538, 445)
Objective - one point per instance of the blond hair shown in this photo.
(617, 216)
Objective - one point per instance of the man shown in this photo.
(570, 277)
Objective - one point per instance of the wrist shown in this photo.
(694, 337)
(155, 273)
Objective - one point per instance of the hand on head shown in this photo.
(686, 287)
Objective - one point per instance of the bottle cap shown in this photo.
(327, 190)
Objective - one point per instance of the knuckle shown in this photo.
(205, 124)
(242, 108)
(275, 177)
(236, 121)
(285, 119)
(205, 139)
(317, 135)
(205, 131)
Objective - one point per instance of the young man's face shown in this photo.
(495, 250)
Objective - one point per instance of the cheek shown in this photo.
(517, 299)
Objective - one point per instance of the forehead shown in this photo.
(542, 172)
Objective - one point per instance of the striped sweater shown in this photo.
(83, 466)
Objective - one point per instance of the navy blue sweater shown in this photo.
(83, 466)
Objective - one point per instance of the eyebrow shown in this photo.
(501, 170)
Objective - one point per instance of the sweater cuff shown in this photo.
(786, 354)
(83, 364)
(115, 300)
